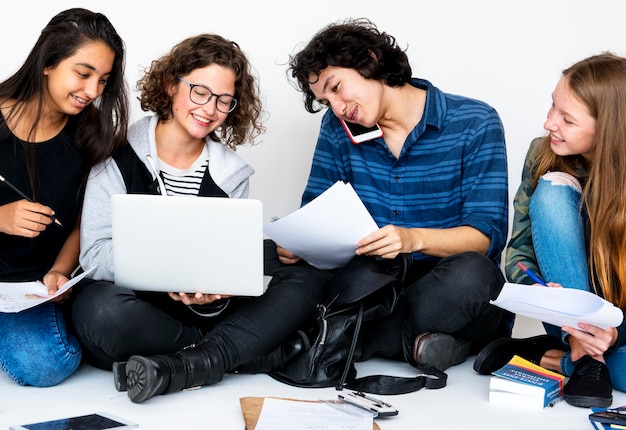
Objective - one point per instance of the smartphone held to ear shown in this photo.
(359, 133)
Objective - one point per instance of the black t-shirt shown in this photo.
(59, 183)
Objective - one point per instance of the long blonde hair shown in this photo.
(599, 82)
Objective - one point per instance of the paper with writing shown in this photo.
(283, 414)
(18, 296)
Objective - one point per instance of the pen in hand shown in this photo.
(14, 188)
(532, 275)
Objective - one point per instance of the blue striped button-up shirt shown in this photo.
(452, 170)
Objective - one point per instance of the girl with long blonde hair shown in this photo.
(570, 227)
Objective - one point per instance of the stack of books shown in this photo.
(609, 418)
(522, 383)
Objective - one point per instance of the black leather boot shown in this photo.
(193, 366)
(276, 358)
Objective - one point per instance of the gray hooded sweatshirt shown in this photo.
(229, 171)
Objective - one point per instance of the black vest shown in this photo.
(138, 179)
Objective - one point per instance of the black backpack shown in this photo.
(364, 290)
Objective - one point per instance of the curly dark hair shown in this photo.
(354, 44)
(243, 124)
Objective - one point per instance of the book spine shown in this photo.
(553, 395)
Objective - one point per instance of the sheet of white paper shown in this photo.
(324, 232)
(18, 296)
(283, 414)
(558, 306)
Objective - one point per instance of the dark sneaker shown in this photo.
(499, 352)
(589, 386)
(440, 350)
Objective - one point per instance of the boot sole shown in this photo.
(485, 362)
(142, 379)
(479, 361)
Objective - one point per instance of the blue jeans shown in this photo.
(35, 347)
(560, 245)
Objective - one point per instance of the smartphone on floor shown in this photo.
(96, 421)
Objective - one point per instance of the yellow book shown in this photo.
(522, 362)
(521, 382)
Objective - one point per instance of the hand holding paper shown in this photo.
(325, 232)
(18, 296)
(559, 306)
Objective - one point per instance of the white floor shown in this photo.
(462, 404)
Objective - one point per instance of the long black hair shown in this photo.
(101, 126)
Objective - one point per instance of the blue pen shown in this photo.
(531, 274)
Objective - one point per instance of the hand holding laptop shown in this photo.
(197, 298)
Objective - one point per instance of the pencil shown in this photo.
(14, 188)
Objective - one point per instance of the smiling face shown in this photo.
(349, 95)
(571, 126)
(200, 120)
(79, 79)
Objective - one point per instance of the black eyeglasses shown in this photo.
(201, 95)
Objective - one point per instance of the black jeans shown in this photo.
(450, 296)
(114, 323)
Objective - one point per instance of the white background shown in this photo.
(509, 54)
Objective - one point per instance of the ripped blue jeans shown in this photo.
(561, 246)
(35, 347)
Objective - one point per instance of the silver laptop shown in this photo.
(188, 244)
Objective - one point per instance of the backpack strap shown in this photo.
(427, 377)
(355, 338)
(361, 277)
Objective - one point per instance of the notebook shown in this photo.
(188, 244)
